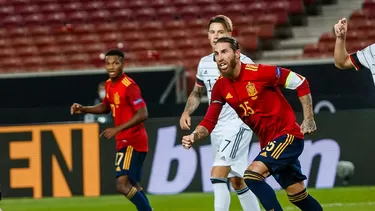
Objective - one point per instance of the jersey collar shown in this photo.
(243, 65)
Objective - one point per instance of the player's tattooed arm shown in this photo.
(308, 125)
(306, 102)
(200, 133)
(194, 99)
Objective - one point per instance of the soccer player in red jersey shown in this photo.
(253, 91)
(129, 110)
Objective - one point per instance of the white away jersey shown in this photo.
(207, 74)
(365, 58)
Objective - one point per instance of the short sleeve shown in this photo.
(199, 76)
(133, 94)
(213, 112)
(364, 58)
(245, 59)
(279, 76)
(216, 94)
(105, 99)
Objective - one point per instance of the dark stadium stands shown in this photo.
(360, 34)
(53, 35)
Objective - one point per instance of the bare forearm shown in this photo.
(96, 109)
(194, 99)
(340, 54)
(307, 107)
(192, 103)
(200, 133)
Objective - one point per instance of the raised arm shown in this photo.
(341, 55)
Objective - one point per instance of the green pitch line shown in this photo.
(337, 199)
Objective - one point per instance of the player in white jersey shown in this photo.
(363, 58)
(231, 137)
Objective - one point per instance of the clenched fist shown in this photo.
(76, 109)
(187, 141)
(341, 28)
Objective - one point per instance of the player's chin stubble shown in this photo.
(232, 67)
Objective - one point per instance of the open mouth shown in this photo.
(223, 65)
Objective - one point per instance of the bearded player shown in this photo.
(258, 101)
(123, 98)
(231, 137)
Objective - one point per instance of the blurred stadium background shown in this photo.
(51, 55)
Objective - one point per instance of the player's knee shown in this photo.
(123, 187)
(252, 177)
(237, 183)
(259, 167)
(219, 180)
(220, 171)
(295, 188)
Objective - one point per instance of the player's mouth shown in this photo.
(223, 65)
(112, 73)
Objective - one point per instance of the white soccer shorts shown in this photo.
(230, 144)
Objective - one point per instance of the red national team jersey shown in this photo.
(256, 97)
(124, 98)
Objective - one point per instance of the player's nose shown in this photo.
(219, 57)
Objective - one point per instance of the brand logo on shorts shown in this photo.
(222, 158)
(124, 141)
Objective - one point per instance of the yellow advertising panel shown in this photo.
(58, 160)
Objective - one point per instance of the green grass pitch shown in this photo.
(337, 199)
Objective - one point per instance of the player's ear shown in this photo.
(238, 54)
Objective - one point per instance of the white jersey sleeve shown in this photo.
(245, 59)
(199, 76)
(364, 58)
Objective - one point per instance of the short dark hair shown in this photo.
(224, 20)
(233, 42)
(115, 52)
